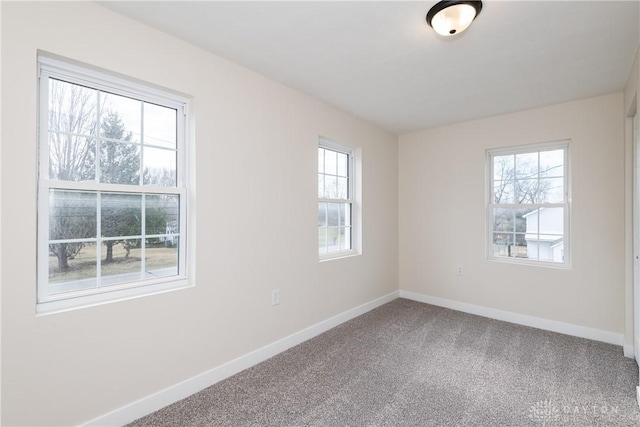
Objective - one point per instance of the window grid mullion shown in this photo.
(515, 236)
(92, 186)
(538, 233)
(98, 138)
(98, 239)
(143, 232)
(141, 177)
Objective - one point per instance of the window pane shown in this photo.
(503, 192)
(527, 165)
(320, 160)
(159, 167)
(322, 214)
(322, 240)
(333, 239)
(551, 190)
(71, 157)
(330, 186)
(503, 168)
(552, 163)
(510, 245)
(503, 244)
(551, 250)
(330, 162)
(119, 163)
(528, 191)
(544, 234)
(121, 118)
(504, 220)
(161, 214)
(72, 267)
(161, 257)
(343, 188)
(519, 248)
(345, 214)
(160, 126)
(551, 220)
(121, 214)
(320, 185)
(521, 219)
(72, 215)
(121, 261)
(333, 214)
(345, 238)
(72, 108)
(342, 164)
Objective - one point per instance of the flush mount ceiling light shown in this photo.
(453, 17)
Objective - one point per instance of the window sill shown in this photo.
(338, 255)
(518, 261)
(86, 301)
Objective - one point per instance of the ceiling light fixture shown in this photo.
(453, 17)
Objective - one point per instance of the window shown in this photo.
(528, 209)
(111, 189)
(336, 207)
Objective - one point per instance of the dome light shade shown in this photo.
(453, 17)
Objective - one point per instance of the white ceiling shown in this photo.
(382, 62)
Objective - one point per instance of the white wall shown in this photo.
(255, 213)
(442, 215)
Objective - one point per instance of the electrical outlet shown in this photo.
(275, 297)
(460, 270)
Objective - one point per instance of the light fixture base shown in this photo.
(449, 18)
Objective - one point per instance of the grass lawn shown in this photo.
(83, 266)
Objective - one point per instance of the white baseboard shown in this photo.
(186, 388)
(162, 398)
(520, 319)
(628, 351)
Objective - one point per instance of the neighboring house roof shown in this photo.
(552, 238)
(558, 243)
(532, 212)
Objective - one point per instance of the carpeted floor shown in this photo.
(414, 364)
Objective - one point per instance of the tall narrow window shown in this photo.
(111, 188)
(528, 209)
(335, 200)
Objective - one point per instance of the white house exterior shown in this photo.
(544, 234)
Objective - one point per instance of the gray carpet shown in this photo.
(413, 364)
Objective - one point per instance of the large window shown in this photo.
(528, 208)
(111, 190)
(335, 200)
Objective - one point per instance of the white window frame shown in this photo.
(566, 204)
(85, 76)
(353, 197)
